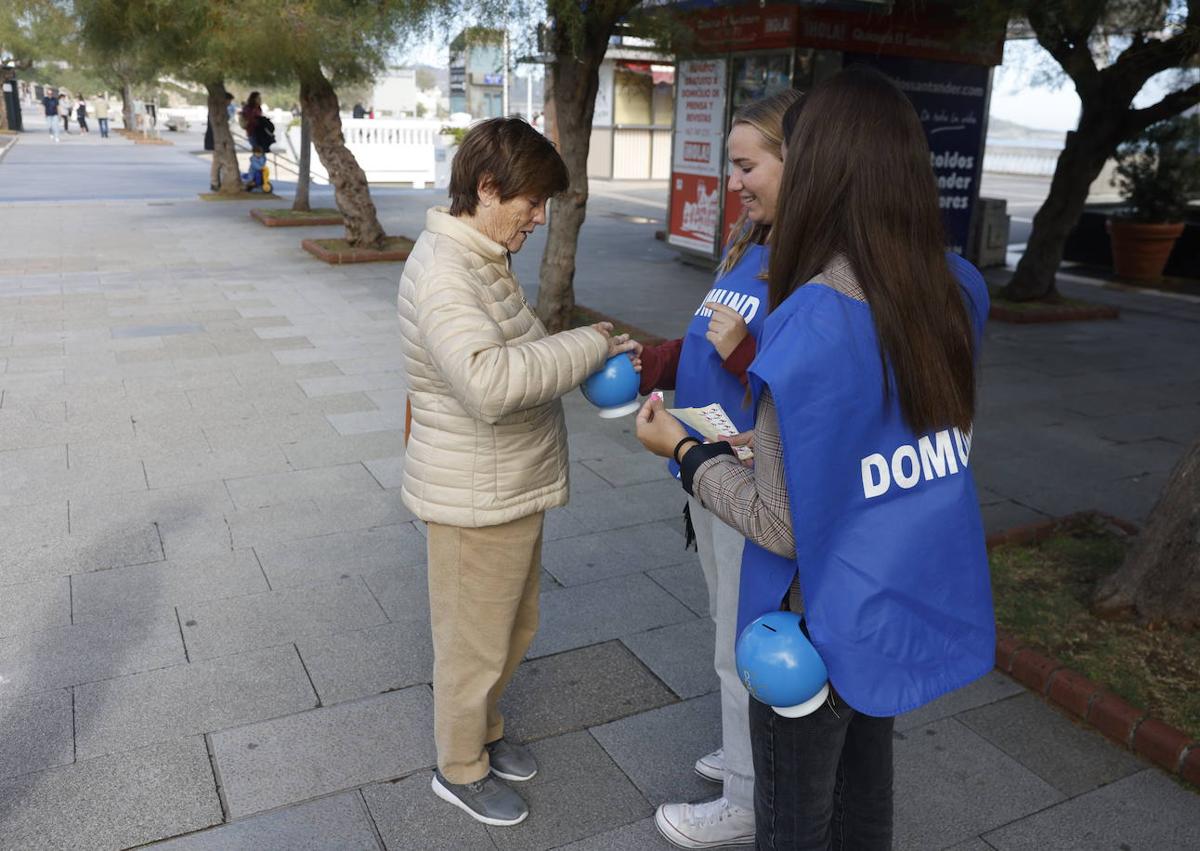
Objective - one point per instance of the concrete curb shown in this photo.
(6, 146)
(1084, 700)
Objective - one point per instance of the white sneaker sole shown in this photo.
(516, 778)
(450, 798)
(671, 834)
(712, 775)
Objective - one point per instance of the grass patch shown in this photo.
(316, 213)
(238, 196)
(1059, 310)
(1041, 595)
(1027, 306)
(395, 249)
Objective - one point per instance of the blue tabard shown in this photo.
(701, 377)
(889, 538)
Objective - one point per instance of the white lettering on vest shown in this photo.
(933, 457)
(746, 305)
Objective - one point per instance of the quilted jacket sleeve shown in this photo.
(489, 377)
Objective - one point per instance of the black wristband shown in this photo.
(695, 457)
(679, 445)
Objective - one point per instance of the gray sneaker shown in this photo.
(511, 761)
(487, 800)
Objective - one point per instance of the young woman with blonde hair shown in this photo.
(709, 365)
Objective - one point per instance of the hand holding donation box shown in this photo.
(712, 422)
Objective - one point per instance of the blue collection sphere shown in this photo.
(780, 667)
(614, 388)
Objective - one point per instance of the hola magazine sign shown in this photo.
(696, 169)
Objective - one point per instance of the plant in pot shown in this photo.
(1157, 173)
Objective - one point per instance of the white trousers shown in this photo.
(720, 548)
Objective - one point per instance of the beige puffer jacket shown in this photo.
(488, 442)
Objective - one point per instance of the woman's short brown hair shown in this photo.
(512, 156)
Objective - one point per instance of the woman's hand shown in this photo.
(656, 429)
(620, 343)
(742, 438)
(726, 328)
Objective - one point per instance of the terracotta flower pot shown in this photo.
(1140, 250)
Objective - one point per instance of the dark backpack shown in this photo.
(264, 134)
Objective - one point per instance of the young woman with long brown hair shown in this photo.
(860, 510)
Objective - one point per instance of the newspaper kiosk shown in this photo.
(745, 51)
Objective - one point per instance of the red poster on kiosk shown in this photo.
(696, 168)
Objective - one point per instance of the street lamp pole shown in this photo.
(504, 89)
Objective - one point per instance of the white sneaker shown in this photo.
(712, 824)
(712, 766)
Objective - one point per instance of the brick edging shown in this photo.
(1084, 700)
(355, 255)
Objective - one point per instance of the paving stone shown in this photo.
(658, 749)
(113, 801)
(560, 524)
(587, 558)
(34, 605)
(636, 504)
(599, 611)
(1071, 758)
(681, 655)
(641, 835)
(584, 480)
(951, 784)
(130, 712)
(272, 489)
(403, 592)
(328, 557)
(577, 792)
(222, 627)
(324, 452)
(1146, 810)
(362, 422)
(312, 518)
(685, 582)
(85, 653)
(108, 593)
(989, 689)
(279, 762)
(407, 809)
(199, 465)
(336, 823)
(592, 445)
(348, 665)
(36, 732)
(631, 469)
(578, 689)
(389, 472)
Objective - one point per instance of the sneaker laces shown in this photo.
(712, 812)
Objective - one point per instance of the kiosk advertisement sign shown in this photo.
(952, 101)
(696, 168)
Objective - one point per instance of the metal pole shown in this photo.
(529, 93)
(504, 89)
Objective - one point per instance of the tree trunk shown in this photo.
(1160, 579)
(127, 106)
(1082, 158)
(572, 84)
(319, 104)
(224, 176)
(303, 178)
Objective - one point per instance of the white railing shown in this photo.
(387, 150)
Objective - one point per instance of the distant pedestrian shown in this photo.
(152, 111)
(230, 106)
(358, 111)
(81, 115)
(50, 105)
(64, 111)
(100, 108)
(251, 113)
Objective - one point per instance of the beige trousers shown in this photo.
(483, 605)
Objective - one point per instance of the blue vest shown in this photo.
(701, 377)
(889, 538)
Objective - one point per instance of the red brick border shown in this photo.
(1059, 313)
(263, 216)
(355, 255)
(1129, 726)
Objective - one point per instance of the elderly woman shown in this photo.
(487, 455)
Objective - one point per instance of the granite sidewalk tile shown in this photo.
(333, 556)
(83, 653)
(407, 814)
(237, 624)
(112, 801)
(36, 732)
(318, 482)
(129, 712)
(33, 606)
(288, 760)
(336, 823)
(681, 655)
(348, 665)
(587, 558)
(1145, 810)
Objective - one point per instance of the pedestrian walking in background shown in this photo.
(100, 108)
(64, 111)
(81, 115)
(251, 113)
(50, 106)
